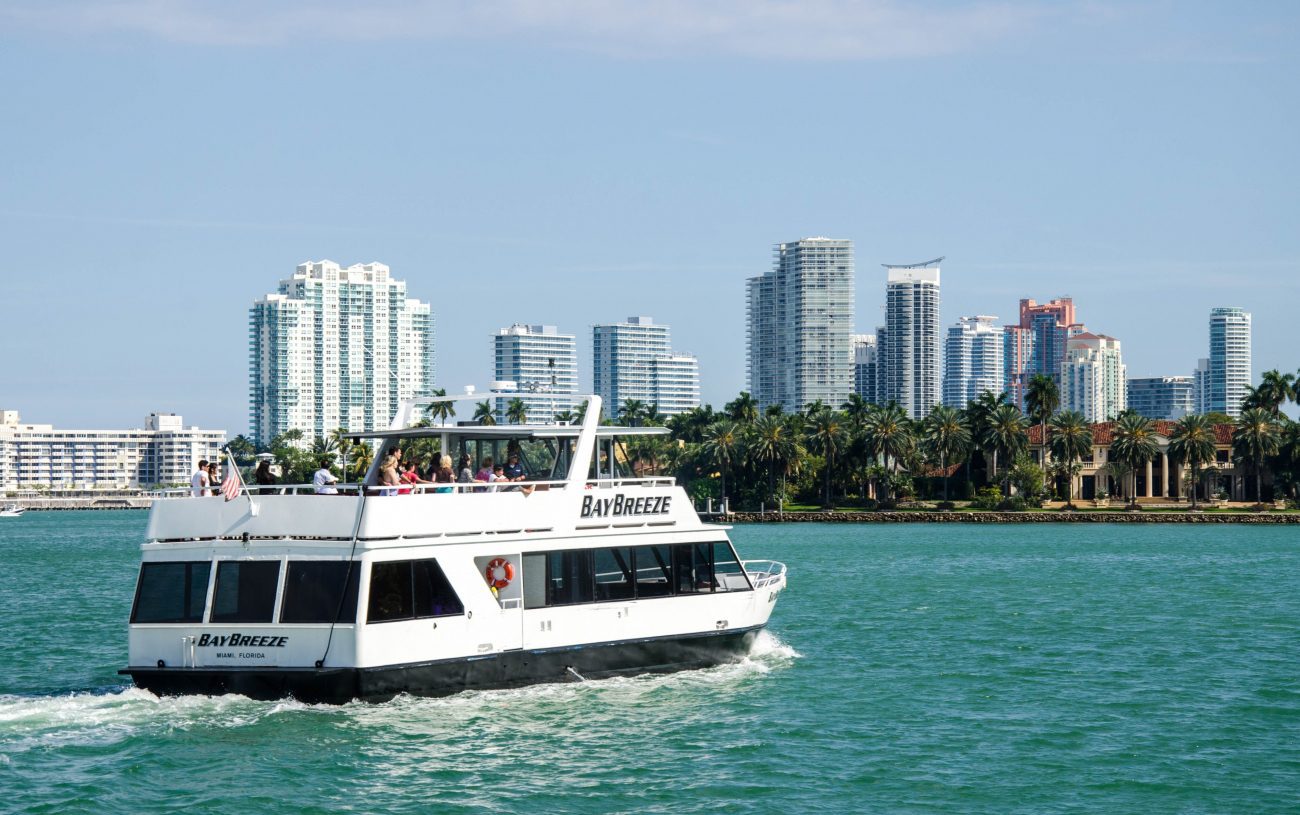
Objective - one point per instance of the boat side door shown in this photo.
(504, 576)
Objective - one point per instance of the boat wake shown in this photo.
(104, 718)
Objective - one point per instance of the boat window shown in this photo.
(569, 577)
(171, 592)
(320, 591)
(245, 591)
(434, 596)
(613, 574)
(654, 571)
(727, 572)
(410, 589)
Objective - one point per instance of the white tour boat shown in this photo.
(582, 571)
(11, 511)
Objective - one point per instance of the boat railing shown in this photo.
(645, 481)
(373, 490)
(764, 572)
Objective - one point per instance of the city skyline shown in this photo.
(1099, 155)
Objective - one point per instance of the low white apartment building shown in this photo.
(164, 451)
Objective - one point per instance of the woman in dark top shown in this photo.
(263, 475)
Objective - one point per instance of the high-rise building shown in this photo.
(800, 316)
(164, 452)
(865, 358)
(542, 364)
(1037, 344)
(1229, 367)
(972, 362)
(1161, 397)
(1093, 377)
(635, 360)
(1201, 387)
(909, 353)
(335, 348)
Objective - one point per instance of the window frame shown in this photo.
(139, 585)
(353, 578)
(275, 603)
(410, 571)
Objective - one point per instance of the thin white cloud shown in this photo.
(780, 29)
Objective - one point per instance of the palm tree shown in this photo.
(1274, 389)
(742, 409)
(946, 436)
(566, 417)
(483, 413)
(242, 448)
(516, 411)
(827, 436)
(1192, 443)
(770, 442)
(1256, 435)
(322, 447)
(442, 411)
(1042, 398)
(978, 413)
(720, 447)
(856, 409)
(632, 412)
(1005, 432)
(1134, 444)
(1071, 441)
(887, 434)
(361, 460)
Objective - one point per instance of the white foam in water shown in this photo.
(32, 722)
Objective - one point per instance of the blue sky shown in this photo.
(574, 162)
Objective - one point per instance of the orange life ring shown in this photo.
(499, 573)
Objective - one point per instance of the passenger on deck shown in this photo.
(199, 481)
(389, 478)
(409, 478)
(514, 471)
(324, 480)
(214, 478)
(485, 470)
(444, 475)
(263, 476)
(464, 470)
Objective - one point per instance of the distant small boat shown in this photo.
(11, 511)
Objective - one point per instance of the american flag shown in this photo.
(233, 484)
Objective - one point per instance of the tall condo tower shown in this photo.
(800, 317)
(1092, 377)
(1227, 373)
(635, 360)
(336, 347)
(909, 354)
(1161, 397)
(1037, 344)
(542, 363)
(972, 361)
(865, 366)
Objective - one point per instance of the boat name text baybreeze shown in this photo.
(621, 505)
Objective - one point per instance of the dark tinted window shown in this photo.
(434, 596)
(245, 591)
(171, 592)
(568, 577)
(410, 589)
(318, 591)
(614, 574)
(727, 572)
(654, 571)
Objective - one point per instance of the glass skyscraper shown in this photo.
(972, 362)
(800, 318)
(635, 360)
(336, 347)
(909, 350)
(1227, 377)
(542, 363)
(1161, 397)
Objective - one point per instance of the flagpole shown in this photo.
(239, 482)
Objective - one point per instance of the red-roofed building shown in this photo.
(1161, 480)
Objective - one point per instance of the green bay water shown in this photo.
(920, 668)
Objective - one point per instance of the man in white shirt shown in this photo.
(199, 482)
(324, 480)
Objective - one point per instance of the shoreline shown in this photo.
(993, 517)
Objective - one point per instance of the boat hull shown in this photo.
(508, 669)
